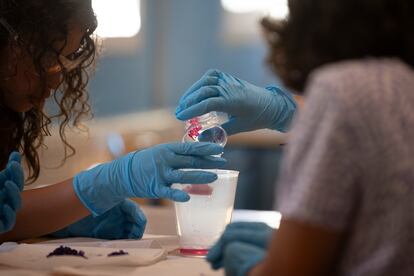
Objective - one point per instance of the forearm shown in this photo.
(301, 249)
(46, 210)
(258, 270)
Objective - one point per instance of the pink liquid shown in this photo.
(193, 252)
(199, 189)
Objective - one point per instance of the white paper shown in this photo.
(34, 256)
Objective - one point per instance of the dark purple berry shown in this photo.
(65, 250)
(117, 253)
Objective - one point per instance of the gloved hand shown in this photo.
(249, 107)
(255, 233)
(239, 258)
(124, 221)
(147, 174)
(11, 185)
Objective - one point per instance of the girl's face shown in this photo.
(19, 83)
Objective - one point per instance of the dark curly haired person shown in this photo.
(46, 47)
(346, 189)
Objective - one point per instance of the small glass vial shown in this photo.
(207, 128)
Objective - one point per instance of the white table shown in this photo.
(161, 227)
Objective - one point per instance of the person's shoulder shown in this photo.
(354, 72)
(361, 80)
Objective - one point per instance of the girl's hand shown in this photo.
(147, 173)
(11, 185)
(249, 107)
(124, 221)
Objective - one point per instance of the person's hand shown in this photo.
(254, 233)
(147, 174)
(11, 185)
(124, 221)
(239, 258)
(249, 107)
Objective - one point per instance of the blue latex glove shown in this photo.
(11, 185)
(255, 233)
(249, 107)
(239, 258)
(147, 174)
(124, 221)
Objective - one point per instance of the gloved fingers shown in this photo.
(101, 228)
(257, 226)
(203, 107)
(210, 77)
(4, 175)
(15, 156)
(134, 220)
(213, 73)
(66, 231)
(196, 149)
(196, 162)
(206, 82)
(191, 177)
(133, 213)
(126, 230)
(13, 195)
(3, 178)
(138, 230)
(3, 196)
(128, 208)
(249, 236)
(239, 258)
(135, 231)
(15, 173)
(226, 78)
(173, 194)
(2, 227)
(232, 126)
(198, 96)
(112, 230)
(7, 218)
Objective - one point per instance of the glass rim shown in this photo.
(221, 172)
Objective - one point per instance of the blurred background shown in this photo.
(152, 51)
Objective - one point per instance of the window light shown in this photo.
(121, 18)
(277, 9)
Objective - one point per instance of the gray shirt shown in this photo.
(350, 163)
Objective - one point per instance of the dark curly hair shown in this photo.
(317, 32)
(42, 23)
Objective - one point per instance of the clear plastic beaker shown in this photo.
(202, 219)
(207, 128)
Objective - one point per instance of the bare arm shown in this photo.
(300, 249)
(46, 210)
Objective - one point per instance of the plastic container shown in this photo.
(207, 128)
(202, 219)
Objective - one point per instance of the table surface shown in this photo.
(161, 227)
